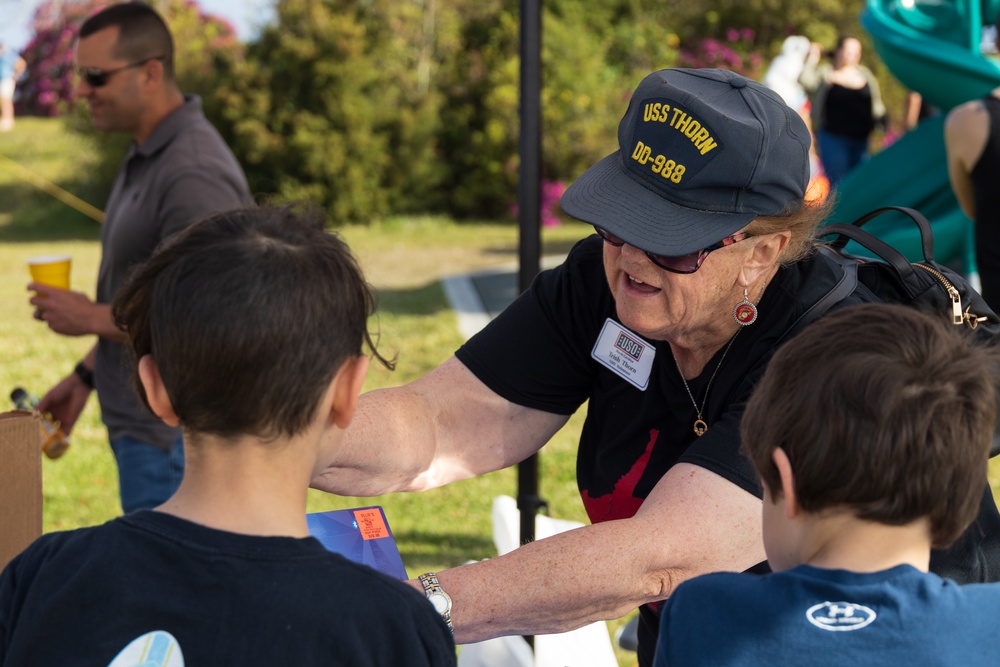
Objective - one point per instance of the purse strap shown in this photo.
(883, 249)
(900, 264)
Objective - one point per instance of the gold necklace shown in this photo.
(699, 424)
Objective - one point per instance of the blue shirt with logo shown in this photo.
(818, 617)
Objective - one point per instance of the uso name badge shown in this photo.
(625, 353)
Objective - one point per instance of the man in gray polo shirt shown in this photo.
(177, 171)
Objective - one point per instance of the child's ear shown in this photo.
(156, 393)
(784, 467)
(346, 387)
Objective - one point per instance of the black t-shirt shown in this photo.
(984, 176)
(537, 353)
(849, 111)
(216, 598)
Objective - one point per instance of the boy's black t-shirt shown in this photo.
(81, 597)
(537, 353)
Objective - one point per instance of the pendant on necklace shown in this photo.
(700, 427)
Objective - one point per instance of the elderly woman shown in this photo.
(663, 321)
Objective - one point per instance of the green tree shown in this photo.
(479, 130)
(334, 105)
(593, 54)
(311, 136)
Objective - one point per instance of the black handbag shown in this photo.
(926, 285)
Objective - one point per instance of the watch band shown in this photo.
(437, 597)
(84, 374)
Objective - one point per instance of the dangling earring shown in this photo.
(745, 313)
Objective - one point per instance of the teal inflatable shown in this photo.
(933, 48)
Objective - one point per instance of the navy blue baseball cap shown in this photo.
(702, 152)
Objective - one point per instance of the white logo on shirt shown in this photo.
(153, 649)
(840, 616)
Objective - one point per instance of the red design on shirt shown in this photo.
(621, 503)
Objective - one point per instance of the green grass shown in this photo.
(403, 258)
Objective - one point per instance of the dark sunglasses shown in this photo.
(97, 77)
(682, 264)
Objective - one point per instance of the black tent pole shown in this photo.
(529, 205)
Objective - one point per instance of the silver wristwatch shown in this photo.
(437, 596)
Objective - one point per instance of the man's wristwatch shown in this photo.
(437, 596)
(84, 374)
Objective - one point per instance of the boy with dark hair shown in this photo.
(247, 330)
(870, 432)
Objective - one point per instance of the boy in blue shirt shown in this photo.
(870, 432)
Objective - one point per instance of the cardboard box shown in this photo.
(20, 482)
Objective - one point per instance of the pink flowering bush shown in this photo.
(47, 86)
(549, 209)
(552, 191)
(736, 52)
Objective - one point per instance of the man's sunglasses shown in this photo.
(97, 77)
(682, 264)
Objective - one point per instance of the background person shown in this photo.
(916, 110)
(782, 77)
(225, 572)
(972, 143)
(12, 66)
(662, 323)
(177, 171)
(870, 450)
(846, 106)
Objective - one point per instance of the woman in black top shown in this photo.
(846, 107)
